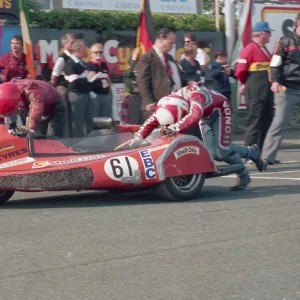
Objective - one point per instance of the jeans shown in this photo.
(212, 129)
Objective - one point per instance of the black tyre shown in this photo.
(181, 188)
(5, 196)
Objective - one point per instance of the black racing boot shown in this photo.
(254, 155)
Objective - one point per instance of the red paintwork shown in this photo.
(128, 128)
(187, 164)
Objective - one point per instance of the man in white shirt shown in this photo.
(57, 77)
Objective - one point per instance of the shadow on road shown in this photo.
(102, 199)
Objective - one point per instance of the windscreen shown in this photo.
(94, 143)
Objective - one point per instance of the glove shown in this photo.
(171, 130)
(21, 131)
(136, 141)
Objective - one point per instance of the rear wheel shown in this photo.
(184, 187)
(5, 196)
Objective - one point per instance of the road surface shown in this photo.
(99, 246)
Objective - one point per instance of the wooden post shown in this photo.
(217, 15)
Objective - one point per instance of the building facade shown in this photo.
(162, 6)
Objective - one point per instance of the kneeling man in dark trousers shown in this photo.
(44, 105)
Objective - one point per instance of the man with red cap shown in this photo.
(46, 108)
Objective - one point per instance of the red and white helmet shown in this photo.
(171, 109)
(10, 99)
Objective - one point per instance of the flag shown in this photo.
(244, 29)
(145, 33)
(26, 38)
(243, 39)
(246, 25)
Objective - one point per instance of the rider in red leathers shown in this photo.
(47, 110)
(212, 111)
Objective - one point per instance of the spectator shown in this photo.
(132, 99)
(252, 72)
(157, 72)
(285, 77)
(46, 109)
(100, 97)
(13, 64)
(79, 87)
(189, 65)
(201, 55)
(57, 77)
(220, 72)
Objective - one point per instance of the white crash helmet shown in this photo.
(171, 109)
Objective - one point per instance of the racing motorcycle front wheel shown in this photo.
(181, 188)
(5, 196)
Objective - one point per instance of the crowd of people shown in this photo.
(84, 90)
(78, 92)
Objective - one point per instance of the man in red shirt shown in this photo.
(47, 110)
(13, 64)
(252, 72)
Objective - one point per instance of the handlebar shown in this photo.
(165, 131)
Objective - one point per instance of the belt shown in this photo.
(259, 66)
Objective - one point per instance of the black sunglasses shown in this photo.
(98, 52)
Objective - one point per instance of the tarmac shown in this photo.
(96, 245)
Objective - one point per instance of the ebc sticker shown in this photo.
(120, 167)
(148, 164)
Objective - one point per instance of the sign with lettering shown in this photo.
(9, 10)
(117, 47)
(157, 6)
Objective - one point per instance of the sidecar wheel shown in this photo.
(181, 188)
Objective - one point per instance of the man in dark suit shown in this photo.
(157, 72)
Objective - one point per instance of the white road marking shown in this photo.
(263, 177)
(276, 178)
(289, 162)
(277, 172)
(281, 163)
(290, 150)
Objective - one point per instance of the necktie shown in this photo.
(168, 67)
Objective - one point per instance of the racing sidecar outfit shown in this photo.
(47, 109)
(212, 111)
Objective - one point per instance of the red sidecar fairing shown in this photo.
(77, 164)
(56, 164)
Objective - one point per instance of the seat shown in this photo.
(104, 123)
